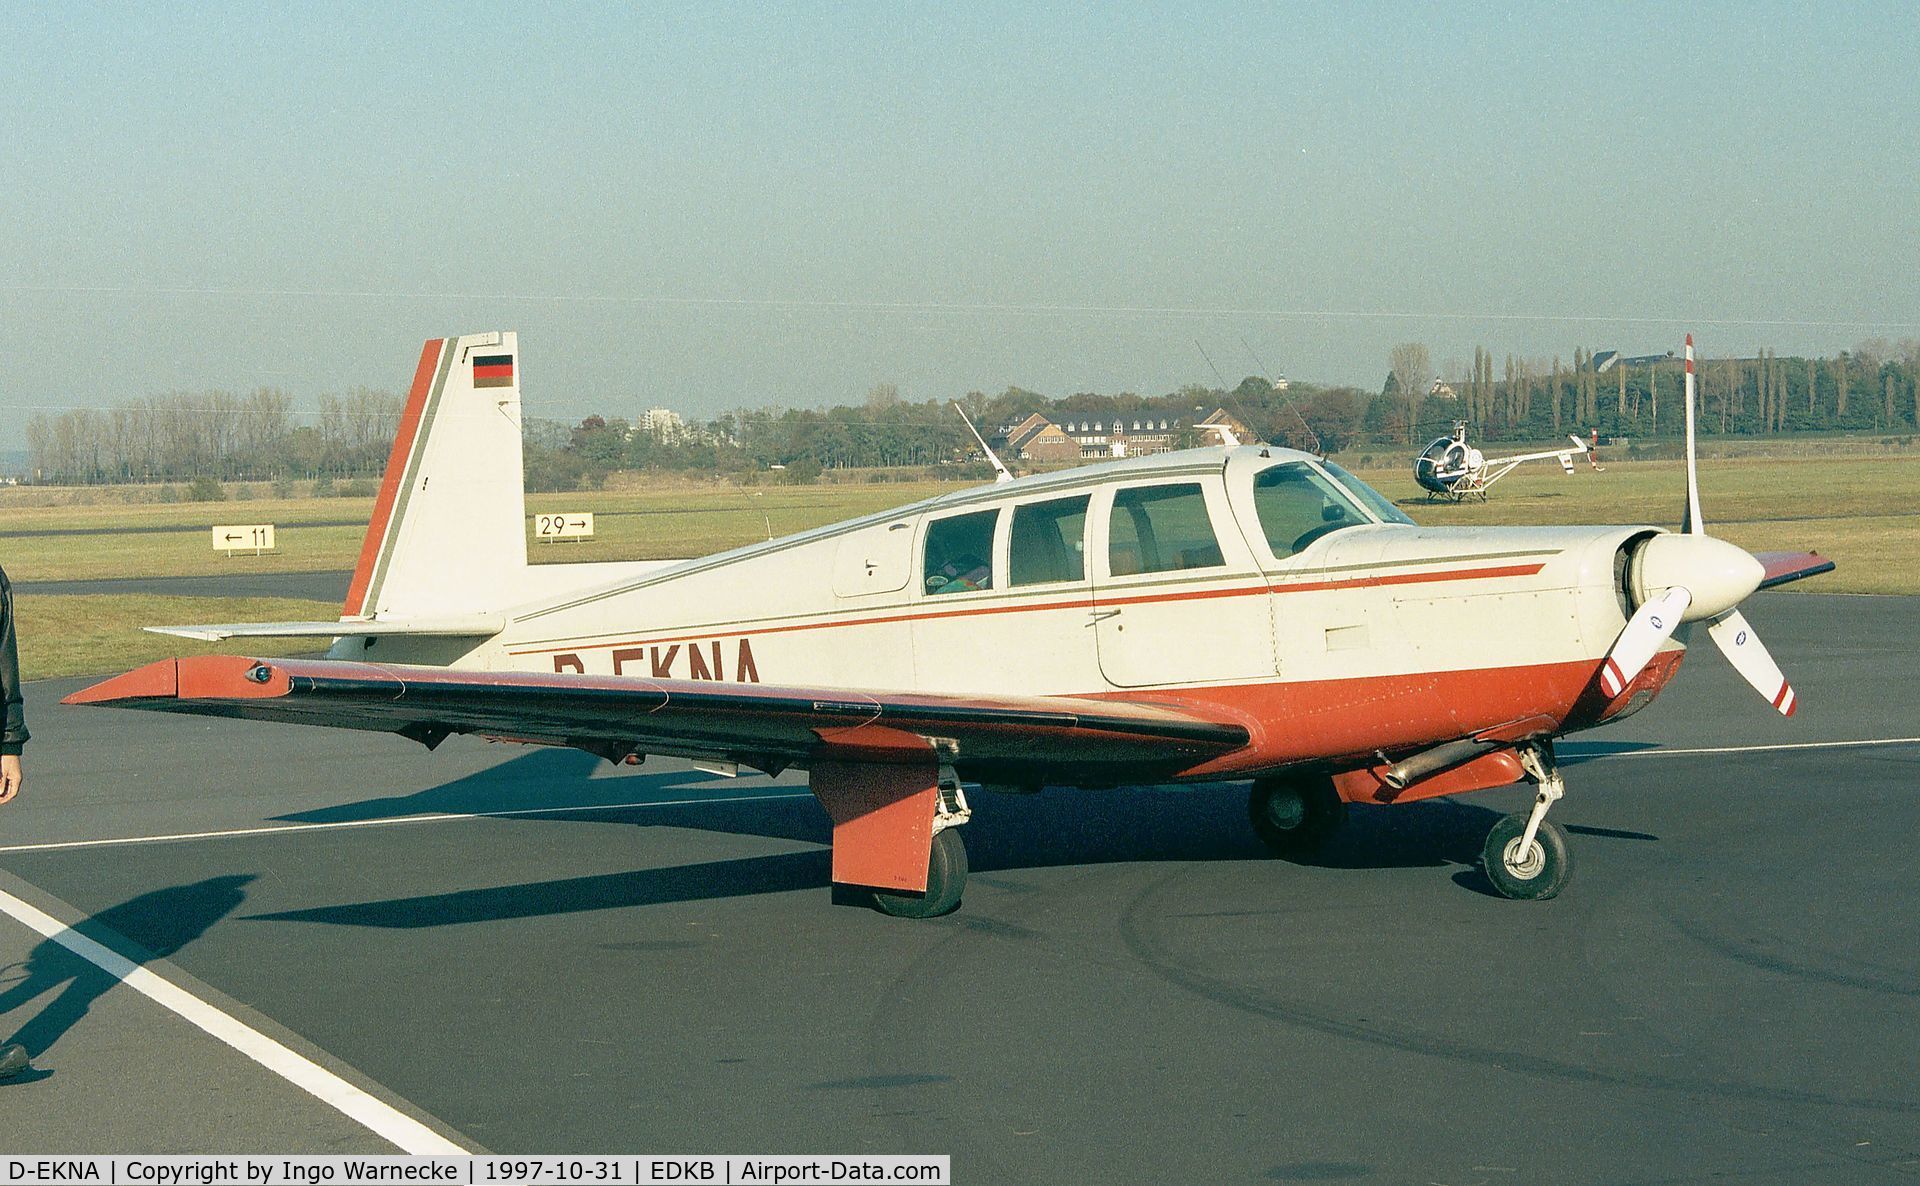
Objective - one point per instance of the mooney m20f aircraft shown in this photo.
(1219, 613)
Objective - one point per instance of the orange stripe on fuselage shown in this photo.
(377, 526)
(1413, 578)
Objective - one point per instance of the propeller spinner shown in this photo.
(1693, 577)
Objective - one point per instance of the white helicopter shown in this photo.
(1454, 469)
(1220, 613)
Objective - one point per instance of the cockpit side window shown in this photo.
(959, 555)
(1047, 542)
(1298, 505)
(1161, 529)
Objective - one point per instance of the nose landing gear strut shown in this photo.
(1526, 855)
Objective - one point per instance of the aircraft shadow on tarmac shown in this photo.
(1054, 828)
(151, 926)
(544, 778)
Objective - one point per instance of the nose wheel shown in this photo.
(1526, 856)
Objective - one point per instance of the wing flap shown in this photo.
(1040, 737)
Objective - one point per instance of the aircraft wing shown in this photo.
(763, 726)
(1782, 567)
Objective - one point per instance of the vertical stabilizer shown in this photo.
(448, 533)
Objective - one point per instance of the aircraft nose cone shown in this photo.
(1717, 574)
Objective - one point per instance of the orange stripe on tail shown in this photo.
(378, 526)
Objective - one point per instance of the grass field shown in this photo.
(1864, 513)
(673, 518)
(100, 633)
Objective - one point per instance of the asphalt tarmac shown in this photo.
(568, 957)
(314, 586)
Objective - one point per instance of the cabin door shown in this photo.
(1179, 599)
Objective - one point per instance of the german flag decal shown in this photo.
(493, 370)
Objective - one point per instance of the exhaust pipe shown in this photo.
(1407, 771)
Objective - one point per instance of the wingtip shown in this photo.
(156, 681)
(201, 677)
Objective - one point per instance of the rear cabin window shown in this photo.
(960, 553)
(1161, 529)
(1298, 505)
(1048, 542)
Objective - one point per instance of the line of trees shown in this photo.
(213, 434)
(258, 436)
(1871, 388)
(884, 431)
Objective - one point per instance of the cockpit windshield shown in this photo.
(1298, 504)
(1381, 506)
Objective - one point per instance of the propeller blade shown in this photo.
(1694, 524)
(1652, 624)
(1749, 657)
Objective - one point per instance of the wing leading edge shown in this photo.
(1782, 567)
(764, 726)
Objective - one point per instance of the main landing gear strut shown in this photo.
(1526, 855)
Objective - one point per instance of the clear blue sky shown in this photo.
(710, 205)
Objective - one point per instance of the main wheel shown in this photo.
(1540, 872)
(1295, 816)
(946, 878)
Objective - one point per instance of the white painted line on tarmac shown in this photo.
(432, 817)
(382, 1119)
(1596, 755)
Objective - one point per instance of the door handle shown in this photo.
(1095, 617)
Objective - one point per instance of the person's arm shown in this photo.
(13, 734)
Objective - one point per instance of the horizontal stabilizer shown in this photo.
(462, 626)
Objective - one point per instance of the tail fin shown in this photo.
(448, 533)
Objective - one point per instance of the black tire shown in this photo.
(1295, 817)
(1545, 870)
(946, 879)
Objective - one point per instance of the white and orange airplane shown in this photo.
(1220, 613)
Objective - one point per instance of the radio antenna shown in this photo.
(1284, 397)
(1227, 436)
(999, 471)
